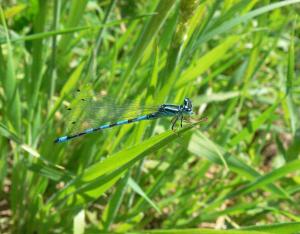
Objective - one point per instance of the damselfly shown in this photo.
(178, 112)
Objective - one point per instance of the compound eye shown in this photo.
(186, 101)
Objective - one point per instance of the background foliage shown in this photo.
(238, 60)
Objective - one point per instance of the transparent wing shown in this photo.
(86, 111)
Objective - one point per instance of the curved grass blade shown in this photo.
(139, 191)
(102, 175)
(277, 228)
(149, 32)
(69, 30)
(199, 146)
(267, 179)
(226, 26)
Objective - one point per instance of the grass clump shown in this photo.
(237, 62)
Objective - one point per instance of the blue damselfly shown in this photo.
(177, 112)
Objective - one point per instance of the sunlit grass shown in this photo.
(237, 61)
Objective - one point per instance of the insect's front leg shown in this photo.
(181, 119)
(174, 121)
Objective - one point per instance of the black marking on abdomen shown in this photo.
(112, 125)
(76, 135)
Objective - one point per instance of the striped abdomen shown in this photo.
(121, 122)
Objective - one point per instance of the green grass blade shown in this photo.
(135, 187)
(12, 97)
(203, 63)
(225, 27)
(74, 17)
(111, 169)
(148, 34)
(248, 132)
(199, 231)
(266, 179)
(200, 146)
(71, 30)
(278, 228)
(114, 204)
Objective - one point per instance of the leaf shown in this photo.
(9, 134)
(102, 175)
(70, 30)
(149, 32)
(294, 149)
(247, 132)
(276, 228)
(226, 26)
(79, 223)
(206, 61)
(14, 10)
(12, 113)
(216, 97)
(266, 179)
(139, 191)
(201, 146)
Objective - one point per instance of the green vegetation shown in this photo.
(236, 59)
